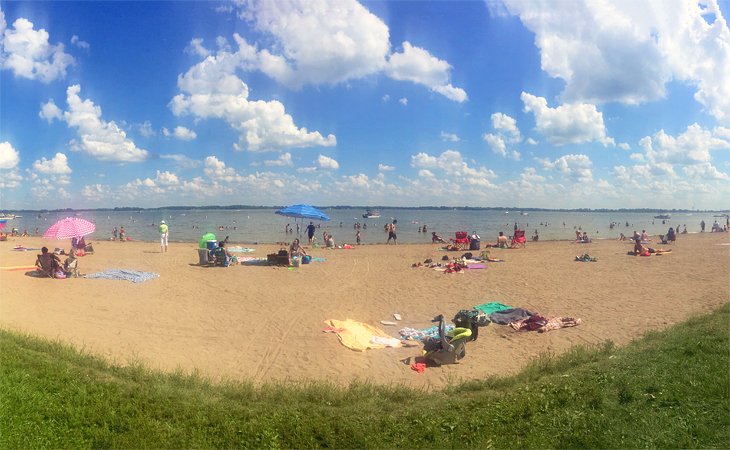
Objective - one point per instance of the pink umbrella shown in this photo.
(69, 227)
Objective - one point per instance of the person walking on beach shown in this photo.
(357, 237)
(702, 226)
(164, 233)
(310, 232)
(114, 234)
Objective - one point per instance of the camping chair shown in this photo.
(461, 242)
(47, 266)
(71, 267)
(449, 347)
(519, 239)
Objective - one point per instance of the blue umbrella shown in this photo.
(303, 212)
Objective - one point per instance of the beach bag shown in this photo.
(306, 259)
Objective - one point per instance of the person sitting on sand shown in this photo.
(585, 239)
(435, 238)
(502, 240)
(622, 237)
(222, 255)
(330, 242)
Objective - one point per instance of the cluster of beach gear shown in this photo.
(444, 343)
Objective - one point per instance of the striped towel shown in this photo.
(135, 276)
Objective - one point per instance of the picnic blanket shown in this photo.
(135, 276)
(358, 336)
(420, 335)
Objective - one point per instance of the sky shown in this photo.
(498, 103)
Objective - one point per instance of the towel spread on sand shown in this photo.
(135, 276)
(357, 336)
(489, 308)
(420, 335)
(507, 316)
(241, 249)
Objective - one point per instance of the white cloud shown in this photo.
(284, 160)
(96, 192)
(50, 112)
(507, 126)
(79, 43)
(181, 133)
(575, 167)
(58, 165)
(531, 141)
(146, 129)
(499, 146)
(196, 48)
(624, 146)
(403, 101)
(102, 140)
(166, 178)
(705, 171)
(385, 98)
(417, 65)
(9, 157)
(325, 162)
(385, 168)
(333, 41)
(306, 169)
(182, 161)
(567, 124)
(10, 180)
(217, 170)
(627, 51)
(211, 90)
(28, 54)
(453, 166)
(449, 137)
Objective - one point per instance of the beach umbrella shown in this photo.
(205, 238)
(3, 223)
(70, 227)
(303, 212)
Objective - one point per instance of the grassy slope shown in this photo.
(670, 389)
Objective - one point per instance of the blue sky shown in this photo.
(600, 104)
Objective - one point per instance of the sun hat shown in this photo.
(162, 221)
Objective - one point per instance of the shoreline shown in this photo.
(264, 323)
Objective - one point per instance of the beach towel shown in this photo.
(507, 316)
(135, 276)
(542, 325)
(420, 335)
(489, 308)
(241, 249)
(357, 336)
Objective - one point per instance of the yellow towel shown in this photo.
(357, 335)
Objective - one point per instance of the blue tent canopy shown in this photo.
(303, 212)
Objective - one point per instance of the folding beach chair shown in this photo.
(462, 241)
(449, 347)
(519, 239)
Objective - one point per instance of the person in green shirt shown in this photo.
(164, 233)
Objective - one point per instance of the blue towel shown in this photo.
(134, 276)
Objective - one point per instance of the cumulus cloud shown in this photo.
(325, 162)
(28, 54)
(567, 124)
(451, 163)
(333, 41)
(385, 168)
(79, 43)
(9, 157)
(181, 133)
(146, 130)
(102, 140)
(498, 146)
(624, 146)
(58, 165)
(284, 160)
(449, 137)
(96, 192)
(210, 89)
(417, 65)
(182, 161)
(507, 126)
(403, 101)
(574, 167)
(50, 112)
(626, 51)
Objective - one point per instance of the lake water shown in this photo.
(249, 226)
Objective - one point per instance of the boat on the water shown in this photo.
(663, 216)
(371, 214)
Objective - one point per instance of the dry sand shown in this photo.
(265, 323)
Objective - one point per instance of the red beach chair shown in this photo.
(519, 239)
(462, 241)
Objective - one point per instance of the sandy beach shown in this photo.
(265, 323)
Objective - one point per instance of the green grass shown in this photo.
(669, 389)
